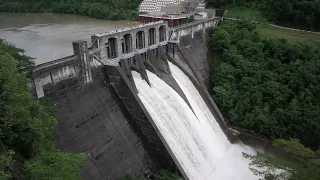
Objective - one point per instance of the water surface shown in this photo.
(47, 36)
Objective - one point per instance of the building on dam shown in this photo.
(175, 12)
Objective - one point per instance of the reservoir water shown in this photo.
(49, 36)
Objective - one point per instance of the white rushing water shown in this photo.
(196, 140)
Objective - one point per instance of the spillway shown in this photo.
(195, 138)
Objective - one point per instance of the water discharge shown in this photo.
(196, 140)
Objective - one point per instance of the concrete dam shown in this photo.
(136, 102)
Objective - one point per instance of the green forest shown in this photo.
(28, 128)
(302, 14)
(267, 85)
(271, 87)
(100, 9)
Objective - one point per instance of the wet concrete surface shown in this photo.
(194, 51)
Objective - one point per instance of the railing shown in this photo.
(193, 23)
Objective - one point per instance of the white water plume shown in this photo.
(196, 140)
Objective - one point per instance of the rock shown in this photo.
(233, 135)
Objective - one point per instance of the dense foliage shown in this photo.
(303, 14)
(27, 131)
(224, 3)
(267, 85)
(100, 9)
(299, 162)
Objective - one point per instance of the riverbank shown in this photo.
(99, 9)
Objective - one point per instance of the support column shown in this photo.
(80, 49)
(134, 45)
(203, 28)
(164, 58)
(119, 46)
(38, 86)
(146, 38)
(178, 34)
(157, 35)
(126, 67)
(192, 32)
(142, 69)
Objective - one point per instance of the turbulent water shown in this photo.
(195, 138)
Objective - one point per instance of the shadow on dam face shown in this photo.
(91, 120)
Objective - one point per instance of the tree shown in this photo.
(23, 62)
(130, 177)
(25, 126)
(27, 130)
(303, 14)
(220, 41)
(100, 9)
(297, 162)
(166, 175)
(6, 162)
(56, 165)
(266, 85)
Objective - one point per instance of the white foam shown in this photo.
(197, 142)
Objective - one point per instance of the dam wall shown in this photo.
(99, 109)
(91, 120)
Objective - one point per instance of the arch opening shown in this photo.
(152, 36)
(112, 48)
(127, 43)
(140, 40)
(162, 33)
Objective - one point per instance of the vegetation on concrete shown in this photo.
(298, 162)
(187, 20)
(267, 85)
(27, 130)
(100, 9)
(160, 175)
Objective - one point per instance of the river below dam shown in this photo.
(47, 36)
